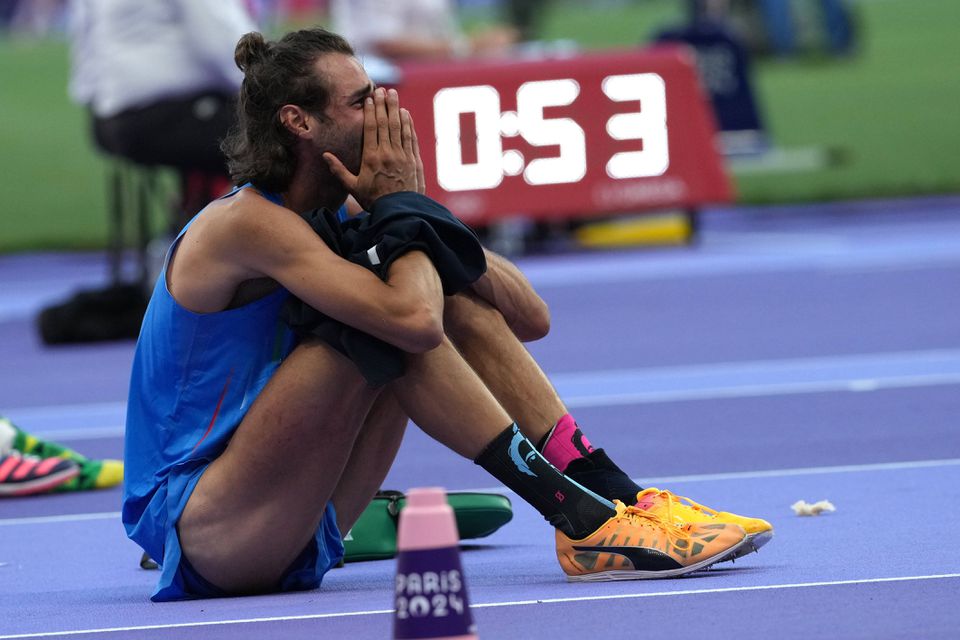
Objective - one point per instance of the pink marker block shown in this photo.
(427, 521)
(430, 589)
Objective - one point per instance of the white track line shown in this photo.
(769, 473)
(485, 605)
(83, 433)
(858, 385)
(805, 471)
(649, 482)
(83, 410)
(74, 517)
(574, 401)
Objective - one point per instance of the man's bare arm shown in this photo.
(405, 311)
(248, 238)
(507, 289)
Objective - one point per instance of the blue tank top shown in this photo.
(194, 377)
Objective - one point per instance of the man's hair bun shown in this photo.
(251, 49)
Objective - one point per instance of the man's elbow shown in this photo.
(424, 330)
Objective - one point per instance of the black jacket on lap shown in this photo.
(397, 224)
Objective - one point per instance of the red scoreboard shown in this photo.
(579, 136)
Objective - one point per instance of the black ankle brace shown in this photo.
(514, 461)
(598, 473)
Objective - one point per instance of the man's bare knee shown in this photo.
(468, 316)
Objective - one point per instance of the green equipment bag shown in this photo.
(374, 535)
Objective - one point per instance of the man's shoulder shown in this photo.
(247, 208)
(229, 242)
(247, 200)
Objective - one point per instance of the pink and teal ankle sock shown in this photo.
(565, 443)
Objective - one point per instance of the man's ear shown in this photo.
(295, 120)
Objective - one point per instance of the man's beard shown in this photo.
(353, 161)
(349, 152)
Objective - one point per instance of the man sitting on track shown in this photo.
(250, 447)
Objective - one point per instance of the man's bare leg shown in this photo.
(302, 445)
(520, 385)
(503, 363)
(437, 385)
(444, 396)
(372, 456)
(262, 500)
(447, 399)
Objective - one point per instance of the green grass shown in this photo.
(892, 109)
(52, 182)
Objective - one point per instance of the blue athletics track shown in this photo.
(795, 353)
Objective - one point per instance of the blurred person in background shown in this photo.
(787, 28)
(414, 30)
(161, 85)
(8, 9)
(526, 17)
(32, 17)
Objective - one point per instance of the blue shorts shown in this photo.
(180, 581)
